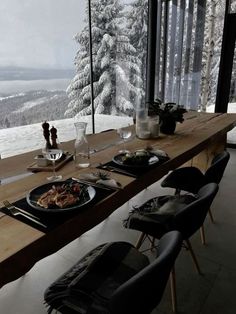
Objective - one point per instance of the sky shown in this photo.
(39, 33)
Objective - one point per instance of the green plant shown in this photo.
(167, 110)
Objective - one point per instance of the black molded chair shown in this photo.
(191, 179)
(115, 278)
(152, 221)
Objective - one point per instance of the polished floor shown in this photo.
(213, 292)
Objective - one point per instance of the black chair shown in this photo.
(184, 213)
(115, 278)
(191, 179)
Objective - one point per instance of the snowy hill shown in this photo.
(17, 140)
(21, 139)
(31, 107)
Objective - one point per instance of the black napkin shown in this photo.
(52, 220)
(133, 171)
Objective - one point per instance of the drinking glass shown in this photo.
(53, 154)
(124, 135)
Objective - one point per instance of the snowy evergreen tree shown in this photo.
(137, 29)
(211, 51)
(117, 82)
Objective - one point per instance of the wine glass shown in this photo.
(124, 135)
(53, 154)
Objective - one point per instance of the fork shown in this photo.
(15, 211)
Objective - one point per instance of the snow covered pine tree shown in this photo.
(117, 68)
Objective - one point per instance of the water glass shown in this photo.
(124, 135)
(53, 155)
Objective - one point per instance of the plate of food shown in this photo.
(138, 159)
(61, 196)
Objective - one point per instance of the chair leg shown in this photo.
(152, 245)
(211, 216)
(202, 233)
(173, 290)
(140, 240)
(193, 256)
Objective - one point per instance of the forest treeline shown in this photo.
(32, 107)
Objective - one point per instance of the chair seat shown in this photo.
(155, 217)
(88, 286)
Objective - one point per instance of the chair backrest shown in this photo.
(188, 179)
(191, 179)
(215, 172)
(143, 292)
(189, 219)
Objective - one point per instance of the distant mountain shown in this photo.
(20, 73)
(32, 107)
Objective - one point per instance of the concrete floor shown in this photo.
(213, 292)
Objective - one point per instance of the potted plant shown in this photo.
(169, 113)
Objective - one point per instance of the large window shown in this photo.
(67, 60)
(189, 34)
(46, 67)
(118, 50)
(37, 51)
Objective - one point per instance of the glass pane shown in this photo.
(37, 51)
(187, 69)
(231, 136)
(119, 45)
(233, 6)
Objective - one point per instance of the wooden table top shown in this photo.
(22, 246)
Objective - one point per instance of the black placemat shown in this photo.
(133, 171)
(52, 220)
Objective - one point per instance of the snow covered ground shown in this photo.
(231, 136)
(17, 140)
(21, 139)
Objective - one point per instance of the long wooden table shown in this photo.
(196, 141)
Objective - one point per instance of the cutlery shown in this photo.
(118, 170)
(105, 187)
(10, 206)
(15, 211)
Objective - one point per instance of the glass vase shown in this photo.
(81, 153)
(142, 125)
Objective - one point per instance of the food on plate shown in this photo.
(60, 195)
(139, 157)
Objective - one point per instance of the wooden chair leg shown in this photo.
(173, 290)
(211, 216)
(202, 233)
(152, 245)
(189, 246)
(140, 240)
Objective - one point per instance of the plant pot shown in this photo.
(167, 126)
